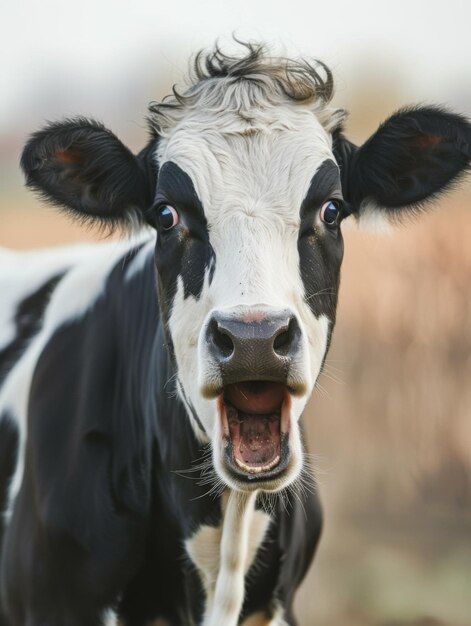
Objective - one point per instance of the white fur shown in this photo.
(22, 273)
(229, 590)
(110, 618)
(211, 555)
(224, 555)
(200, 434)
(74, 295)
(374, 219)
(138, 263)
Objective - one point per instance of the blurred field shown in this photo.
(390, 424)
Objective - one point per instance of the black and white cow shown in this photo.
(152, 464)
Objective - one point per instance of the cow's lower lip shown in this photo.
(255, 425)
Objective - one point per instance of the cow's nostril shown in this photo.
(283, 341)
(248, 345)
(221, 339)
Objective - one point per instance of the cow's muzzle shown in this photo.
(254, 356)
(254, 345)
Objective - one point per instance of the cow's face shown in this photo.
(247, 182)
(248, 258)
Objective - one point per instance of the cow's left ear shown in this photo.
(413, 156)
(83, 167)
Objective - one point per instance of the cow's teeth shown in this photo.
(258, 469)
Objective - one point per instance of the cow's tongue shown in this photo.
(253, 413)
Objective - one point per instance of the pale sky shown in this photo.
(86, 55)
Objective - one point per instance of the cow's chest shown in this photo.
(223, 556)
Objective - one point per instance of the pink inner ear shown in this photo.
(67, 156)
(423, 142)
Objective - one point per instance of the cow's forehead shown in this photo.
(254, 167)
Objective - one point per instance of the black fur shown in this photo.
(184, 250)
(320, 246)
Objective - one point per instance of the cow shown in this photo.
(152, 462)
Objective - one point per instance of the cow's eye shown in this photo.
(168, 217)
(330, 212)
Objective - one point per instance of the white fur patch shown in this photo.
(141, 258)
(22, 273)
(374, 219)
(110, 618)
(223, 556)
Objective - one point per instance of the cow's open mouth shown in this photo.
(255, 425)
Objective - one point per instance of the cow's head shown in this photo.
(247, 179)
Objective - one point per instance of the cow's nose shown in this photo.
(254, 346)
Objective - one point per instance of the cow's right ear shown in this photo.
(83, 167)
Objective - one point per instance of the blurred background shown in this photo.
(390, 424)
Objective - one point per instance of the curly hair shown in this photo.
(238, 83)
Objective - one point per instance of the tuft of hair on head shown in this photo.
(221, 81)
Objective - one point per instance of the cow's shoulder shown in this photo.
(59, 390)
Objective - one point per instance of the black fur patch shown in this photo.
(8, 454)
(8, 458)
(185, 250)
(321, 247)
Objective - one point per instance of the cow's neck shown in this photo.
(220, 528)
(222, 533)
